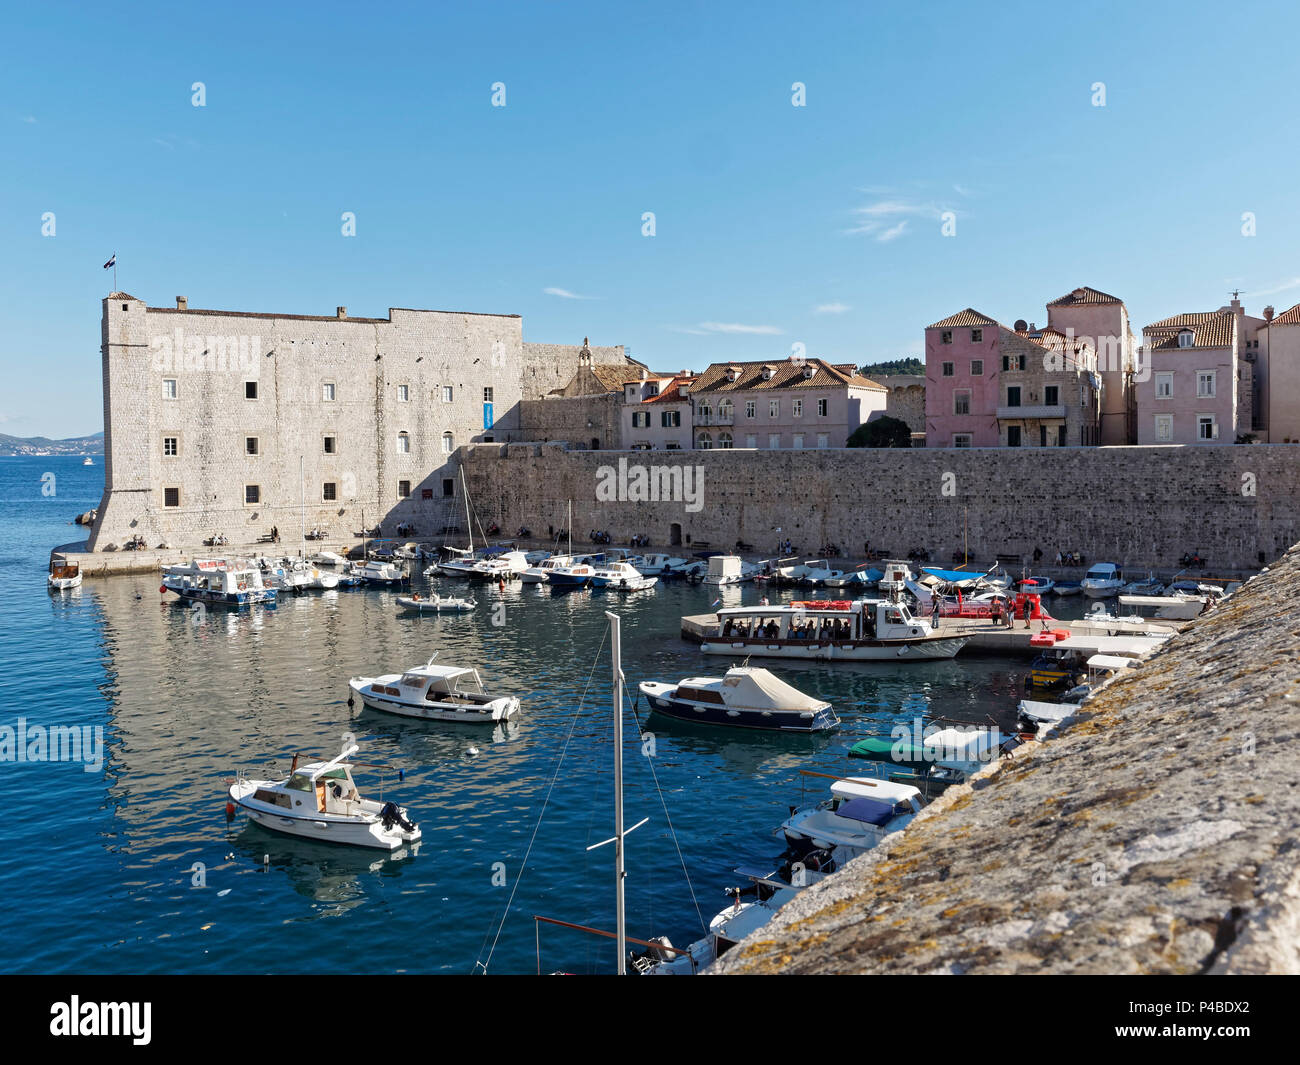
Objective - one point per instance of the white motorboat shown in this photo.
(831, 630)
(534, 557)
(89, 461)
(660, 565)
(896, 575)
(1099, 620)
(858, 815)
(729, 569)
(1103, 580)
(746, 697)
(320, 802)
(578, 572)
(538, 571)
(1036, 585)
(327, 558)
(499, 566)
(435, 604)
(822, 574)
(795, 572)
(219, 581)
(1167, 607)
(64, 575)
(376, 572)
(621, 576)
(434, 693)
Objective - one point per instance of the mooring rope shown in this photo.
(483, 965)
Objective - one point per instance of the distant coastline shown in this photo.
(40, 445)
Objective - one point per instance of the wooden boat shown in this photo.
(745, 697)
(63, 575)
(320, 802)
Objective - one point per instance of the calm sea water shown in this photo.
(98, 869)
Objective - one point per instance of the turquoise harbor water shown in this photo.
(98, 866)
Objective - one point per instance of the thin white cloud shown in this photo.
(29, 119)
(1283, 286)
(565, 294)
(687, 330)
(738, 327)
(831, 308)
(961, 190)
(887, 219)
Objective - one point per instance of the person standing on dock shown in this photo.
(1029, 610)
(934, 613)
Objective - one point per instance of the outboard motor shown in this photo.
(391, 815)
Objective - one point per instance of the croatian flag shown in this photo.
(714, 603)
(111, 262)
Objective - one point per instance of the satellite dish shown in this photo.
(1021, 325)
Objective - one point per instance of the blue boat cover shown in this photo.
(870, 811)
(952, 576)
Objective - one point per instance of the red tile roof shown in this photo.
(1287, 317)
(969, 316)
(786, 374)
(1084, 295)
(1210, 329)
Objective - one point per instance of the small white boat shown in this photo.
(1103, 580)
(504, 565)
(858, 815)
(320, 801)
(375, 572)
(660, 565)
(1036, 585)
(729, 569)
(577, 572)
(1147, 586)
(896, 575)
(64, 575)
(89, 461)
(1101, 620)
(1166, 607)
(217, 580)
(538, 571)
(621, 576)
(823, 574)
(435, 604)
(327, 558)
(745, 697)
(434, 693)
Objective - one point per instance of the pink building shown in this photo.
(990, 386)
(1200, 386)
(657, 413)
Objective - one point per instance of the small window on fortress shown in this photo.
(169, 388)
(250, 389)
(447, 444)
(403, 489)
(448, 486)
(331, 447)
(252, 493)
(171, 497)
(250, 445)
(487, 395)
(170, 448)
(446, 393)
(403, 393)
(403, 443)
(329, 492)
(327, 392)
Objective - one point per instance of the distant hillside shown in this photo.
(40, 445)
(888, 369)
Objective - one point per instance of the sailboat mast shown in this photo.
(616, 653)
(570, 524)
(469, 522)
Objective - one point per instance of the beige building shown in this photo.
(1277, 350)
(1102, 321)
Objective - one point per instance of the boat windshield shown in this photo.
(299, 782)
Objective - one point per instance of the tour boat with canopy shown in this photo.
(434, 693)
(218, 581)
(64, 575)
(320, 801)
(746, 697)
(839, 629)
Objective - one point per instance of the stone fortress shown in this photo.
(232, 423)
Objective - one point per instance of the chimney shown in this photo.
(1268, 313)
(181, 303)
(342, 312)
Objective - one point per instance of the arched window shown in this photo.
(705, 442)
(704, 412)
(403, 443)
(447, 445)
(725, 410)
(724, 440)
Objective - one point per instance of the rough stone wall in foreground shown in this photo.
(1159, 833)
(1141, 506)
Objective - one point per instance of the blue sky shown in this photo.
(775, 224)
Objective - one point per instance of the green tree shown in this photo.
(909, 365)
(882, 432)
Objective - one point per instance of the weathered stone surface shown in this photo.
(1141, 506)
(1159, 833)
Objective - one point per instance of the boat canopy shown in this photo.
(1110, 662)
(747, 686)
(870, 788)
(1103, 571)
(954, 576)
(1036, 710)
